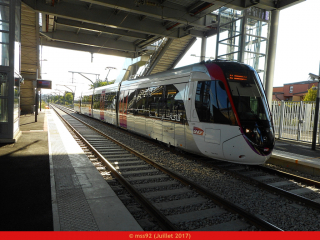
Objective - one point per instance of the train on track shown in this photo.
(217, 109)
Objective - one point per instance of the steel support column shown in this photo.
(203, 49)
(272, 54)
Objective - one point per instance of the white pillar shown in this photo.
(203, 49)
(272, 54)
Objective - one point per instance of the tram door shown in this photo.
(102, 100)
(212, 117)
(123, 105)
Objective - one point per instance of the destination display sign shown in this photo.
(46, 84)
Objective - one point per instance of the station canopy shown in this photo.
(129, 28)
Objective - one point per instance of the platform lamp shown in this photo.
(316, 115)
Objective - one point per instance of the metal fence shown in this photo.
(294, 120)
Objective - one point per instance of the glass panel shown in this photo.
(96, 101)
(17, 44)
(17, 21)
(110, 101)
(257, 61)
(155, 103)
(230, 30)
(4, 37)
(248, 96)
(257, 28)
(16, 99)
(255, 44)
(212, 103)
(3, 110)
(179, 109)
(4, 13)
(229, 57)
(141, 101)
(131, 101)
(4, 1)
(228, 15)
(4, 26)
(4, 54)
(3, 84)
(258, 13)
(229, 46)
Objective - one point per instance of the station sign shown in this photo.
(46, 84)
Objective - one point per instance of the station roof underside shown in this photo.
(127, 28)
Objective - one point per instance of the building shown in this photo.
(292, 91)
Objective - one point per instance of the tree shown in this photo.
(311, 95)
(100, 83)
(69, 98)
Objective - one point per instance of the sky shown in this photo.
(297, 55)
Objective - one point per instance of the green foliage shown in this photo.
(311, 95)
(68, 98)
(100, 83)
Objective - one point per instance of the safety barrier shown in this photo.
(294, 120)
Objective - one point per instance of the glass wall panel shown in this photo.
(4, 37)
(3, 84)
(4, 34)
(230, 30)
(256, 44)
(257, 28)
(16, 99)
(229, 45)
(17, 43)
(258, 13)
(230, 57)
(257, 61)
(229, 15)
(4, 26)
(243, 37)
(3, 110)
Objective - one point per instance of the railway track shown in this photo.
(294, 187)
(175, 202)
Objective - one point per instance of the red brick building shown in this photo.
(292, 91)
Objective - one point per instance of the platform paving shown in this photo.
(49, 184)
(297, 156)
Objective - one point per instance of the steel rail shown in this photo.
(270, 188)
(258, 222)
(290, 175)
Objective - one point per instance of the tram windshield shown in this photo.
(248, 96)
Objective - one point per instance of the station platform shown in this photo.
(296, 156)
(49, 184)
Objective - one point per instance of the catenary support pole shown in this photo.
(272, 54)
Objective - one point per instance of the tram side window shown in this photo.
(155, 102)
(86, 100)
(110, 101)
(131, 101)
(212, 103)
(141, 101)
(96, 101)
(171, 91)
(174, 105)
